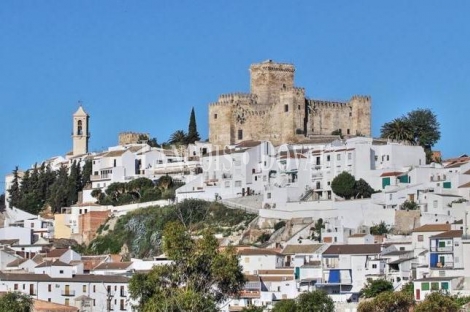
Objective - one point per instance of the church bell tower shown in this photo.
(80, 134)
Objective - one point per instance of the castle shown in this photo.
(277, 111)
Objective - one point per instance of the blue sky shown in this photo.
(141, 65)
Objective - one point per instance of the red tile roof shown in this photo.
(433, 228)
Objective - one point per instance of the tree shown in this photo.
(16, 302)
(375, 287)
(437, 302)
(317, 301)
(14, 190)
(199, 277)
(343, 185)
(380, 229)
(363, 189)
(399, 129)
(59, 193)
(319, 225)
(193, 135)
(286, 305)
(409, 205)
(86, 173)
(2, 202)
(388, 301)
(178, 137)
(419, 126)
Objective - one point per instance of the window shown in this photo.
(348, 131)
(94, 288)
(434, 204)
(84, 288)
(269, 195)
(420, 238)
(388, 157)
(15, 287)
(374, 266)
(49, 288)
(67, 301)
(424, 286)
(215, 116)
(328, 158)
(122, 305)
(349, 156)
(49, 299)
(286, 108)
(338, 157)
(61, 272)
(227, 183)
(298, 107)
(445, 285)
(238, 183)
(240, 134)
(350, 114)
(435, 286)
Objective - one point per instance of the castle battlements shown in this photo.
(361, 98)
(275, 110)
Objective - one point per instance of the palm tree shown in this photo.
(399, 129)
(178, 137)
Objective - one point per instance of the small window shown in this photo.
(420, 238)
(94, 288)
(424, 286)
(240, 134)
(67, 301)
(328, 158)
(338, 157)
(15, 287)
(286, 108)
(374, 266)
(298, 107)
(269, 195)
(61, 271)
(350, 114)
(348, 131)
(49, 288)
(388, 157)
(84, 288)
(349, 156)
(215, 116)
(435, 286)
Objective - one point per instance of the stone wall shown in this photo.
(131, 137)
(277, 111)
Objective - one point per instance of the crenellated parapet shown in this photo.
(361, 98)
(328, 104)
(231, 98)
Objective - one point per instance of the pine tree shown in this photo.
(14, 190)
(193, 135)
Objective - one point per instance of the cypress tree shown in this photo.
(193, 135)
(14, 190)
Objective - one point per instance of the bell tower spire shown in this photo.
(80, 133)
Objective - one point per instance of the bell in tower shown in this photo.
(80, 134)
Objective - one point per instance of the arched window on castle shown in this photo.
(79, 128)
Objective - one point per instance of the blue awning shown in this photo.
(334, 276)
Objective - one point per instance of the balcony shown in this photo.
(442, 249)
(249, 294)
(68, 293)
(227, 176)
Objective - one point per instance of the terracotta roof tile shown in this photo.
(353, 249)
(449, 234)
(433, 228)
(301, 249)
(258, 251)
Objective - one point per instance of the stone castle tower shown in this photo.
(80, 133)
(277, 111)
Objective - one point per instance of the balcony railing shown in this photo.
(447, 265)
(68, 292)
(442, 249)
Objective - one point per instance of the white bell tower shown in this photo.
(80, 134)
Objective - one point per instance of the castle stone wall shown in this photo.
(277, 111)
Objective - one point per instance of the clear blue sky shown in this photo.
(142, 65)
